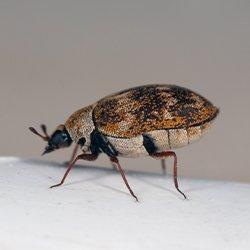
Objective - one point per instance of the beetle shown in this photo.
(148, 120)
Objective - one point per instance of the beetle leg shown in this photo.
(118, 166)
(74, 153)
(163, 166)
(88, 157)
(163, 155)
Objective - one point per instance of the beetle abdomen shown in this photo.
(132, 147)
(162, 140)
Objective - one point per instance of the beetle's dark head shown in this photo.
(59, 139)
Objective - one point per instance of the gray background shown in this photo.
(58, 56)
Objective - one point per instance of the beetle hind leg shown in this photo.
(162, 156)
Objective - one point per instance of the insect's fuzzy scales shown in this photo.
(81, 125)
(148, 120)
(169, 115)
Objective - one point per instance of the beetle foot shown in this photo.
(56, 185)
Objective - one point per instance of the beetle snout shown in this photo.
(48, 149)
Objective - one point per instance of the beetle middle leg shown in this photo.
(88, 157)
(163, 155)
(118, 166)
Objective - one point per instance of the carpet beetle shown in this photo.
(148, 120)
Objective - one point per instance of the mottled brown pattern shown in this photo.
(142, 109)
(80, 124)
(75, 121)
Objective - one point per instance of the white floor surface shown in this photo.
(93, 210)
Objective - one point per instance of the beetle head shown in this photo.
(59, 139)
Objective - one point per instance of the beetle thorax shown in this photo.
(80, 125)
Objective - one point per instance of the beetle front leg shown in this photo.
(74, 153)
(118, 166)
(88, 157)
(163, 155)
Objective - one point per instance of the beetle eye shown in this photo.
(64, 137)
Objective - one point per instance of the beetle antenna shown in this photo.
(44, 137)
(44, 129)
